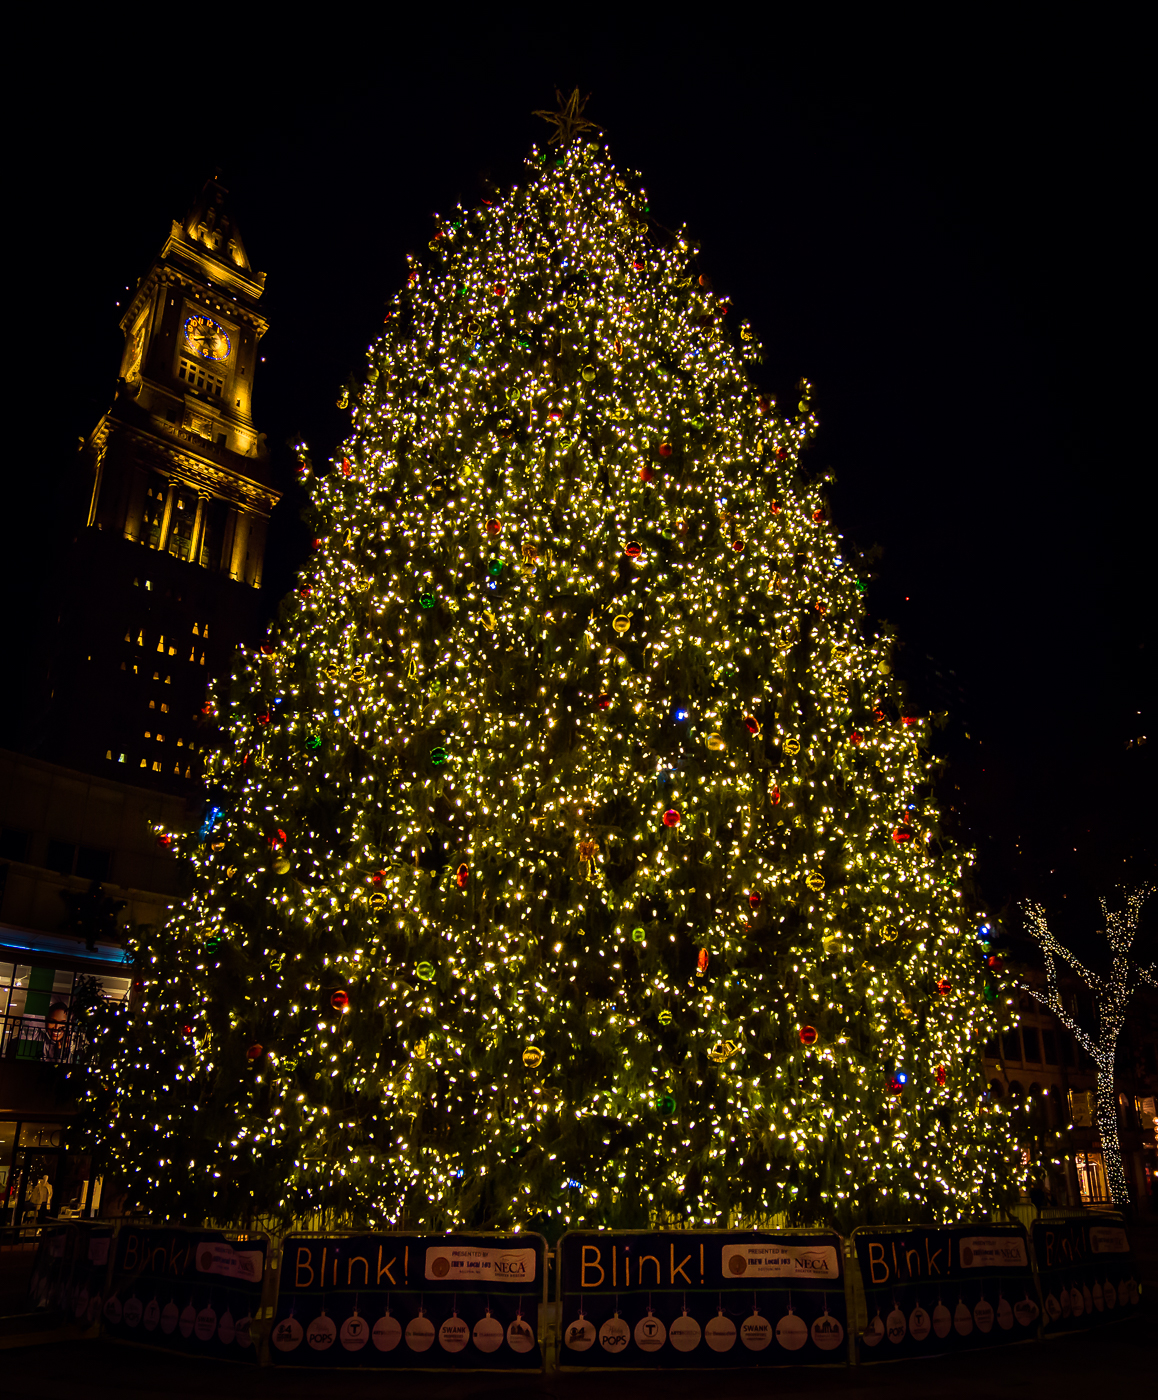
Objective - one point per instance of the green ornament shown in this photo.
(437, 755)
(495, 567)
(425, 970)
(314, 741)
(666, 1104)
(426, 601)
(638, 935)
(860, 585)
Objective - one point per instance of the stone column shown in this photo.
(240, 540)
(198, 528)
(167, 517)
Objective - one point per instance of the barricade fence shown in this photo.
(712, 1299)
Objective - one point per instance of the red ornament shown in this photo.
(317, 544)
(500, 289)
(263, 718)
(378, 876)
(277, 839)
(638, 265)
(809, 1035)
(462, 875)
(776, 795)
(346, 467)
(604, 701)
(762, 404)
(304, 592)
(821, 609)
(896, 1087)
(775, 507)
(494, 526)
(995, 963)
(754, 899)
(207, 708)
(910, 720)
(818, 516)
(633, 549)
(671, 817)
(646, 474)
(751, 724)
(879, 715)
(857, 738)
(164, 840)
(702, 962)
(901, 836)
(188, 1030)
(738, 546)
(944, 986)
(665, 449)
(267, 648)
(941, 1076)
(340, 1000)
(255, 1052)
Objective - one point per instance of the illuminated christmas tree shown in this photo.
(573, 858)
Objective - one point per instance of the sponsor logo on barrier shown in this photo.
(455, 1262)
(993, 1251)
(215, 1257)
(745, 1260)
(1106, 1239)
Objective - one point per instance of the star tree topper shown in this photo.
(569, 120)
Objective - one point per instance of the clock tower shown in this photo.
(164, 578)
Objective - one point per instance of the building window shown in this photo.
(1083, 1106)
(60, 857)
(1091, 1177)
(92, 864)
(1010, 1046)
(198, 377)
(13, 843)
(1049, 1042)
(1032, 1045)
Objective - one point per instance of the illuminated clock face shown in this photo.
(206, 338)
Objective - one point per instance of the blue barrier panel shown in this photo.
(188, 1291)
(1086, 1271)
(933, 1290)
(461, 1301)
(712, 1299)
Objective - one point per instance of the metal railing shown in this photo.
(27, 1038)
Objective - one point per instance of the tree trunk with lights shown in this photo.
(1112, 996)
(573, 858)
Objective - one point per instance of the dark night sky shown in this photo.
(942, 229)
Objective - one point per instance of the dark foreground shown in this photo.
(1121, 1359)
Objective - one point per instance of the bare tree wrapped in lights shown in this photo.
(1112, 997)
(574, 858)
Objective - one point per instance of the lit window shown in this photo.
(172, 651)
(148, 585)
(152, 704)
(160, 644)
(195, 631)
(193, 654)
(164, 708)
(160, 738)
(121, 759)
(109, 755)
(198, 377)
(1091, 1177)
(205, 630)
(156, 768)
(128, 637)
(156, 675)
(202, 661)
(148, 734)
(180, 743)
(144, 763)
(141, 637)
(168, 679)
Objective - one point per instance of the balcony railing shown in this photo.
(27, 1038)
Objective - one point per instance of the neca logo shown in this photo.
(811, 1263)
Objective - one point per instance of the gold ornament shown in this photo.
(722, 1051)
(621, 623)
(490, 621)
(889, 935)
(814, 880)
(618, 414)
(589, 373)
(532, 1057)
(378, 900)
(282, 865)
(791, 746)
(230, 872)
(840, 693)
(716, 742)
(420, 1050)
(665, 1018)
(571, 302)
